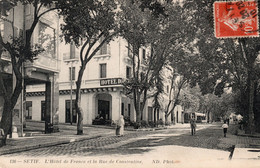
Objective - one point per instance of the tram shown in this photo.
(197, 116)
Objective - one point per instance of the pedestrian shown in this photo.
(193, 126)
(228, 121)
(225, 127)
(2, 137)
(120, 126)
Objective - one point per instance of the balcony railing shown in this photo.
(67, 56)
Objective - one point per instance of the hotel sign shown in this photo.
(111, 81)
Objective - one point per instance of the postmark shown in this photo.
(236, 19)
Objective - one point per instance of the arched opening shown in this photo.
(103, 112)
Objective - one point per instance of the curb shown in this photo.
(248, 135)
(37, 146)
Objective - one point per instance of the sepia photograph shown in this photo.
(129, 84)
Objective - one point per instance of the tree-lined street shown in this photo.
(156, 65)
(172, 147)
(208, 137)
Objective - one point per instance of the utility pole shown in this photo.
(71, 83)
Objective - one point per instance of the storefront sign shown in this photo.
(110, 81)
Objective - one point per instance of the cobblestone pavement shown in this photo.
(137, 143)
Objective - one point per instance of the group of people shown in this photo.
(193, 126)
(121, 122)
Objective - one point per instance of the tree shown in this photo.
(141, 28)
(89, 25)
(21, 50)
(217, 107)
(177, 84)
(219, 63)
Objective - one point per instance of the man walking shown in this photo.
(193, 126)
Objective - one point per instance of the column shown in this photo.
(88, 106)
(48, 107)
(55, 102)
(116, 106)
(52, 104)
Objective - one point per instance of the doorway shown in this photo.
(68, 115)
(103, 109)
(43, 110)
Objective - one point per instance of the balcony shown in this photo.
(44, 63)
(67, 57)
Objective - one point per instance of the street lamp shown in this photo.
(71, 87)
(70, 58)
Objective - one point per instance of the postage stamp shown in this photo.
(236, 19)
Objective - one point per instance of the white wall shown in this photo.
(36, 106)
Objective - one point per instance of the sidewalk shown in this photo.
(35, 138)
(38, 139)
(246, 147)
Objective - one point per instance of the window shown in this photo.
(129, 50)
(72, 73)
(47, 39)
(128, 72)
(43, 110)
(167, 88)
(122, 109)
(103, 70)
(150, 113)
(7, 32)
(144, 57)
(103, 49)
(141, 104)
(129, 110)
(28, 112)
(72, 51)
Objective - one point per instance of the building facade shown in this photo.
(44, 70)
(50, 79)
(102, 90)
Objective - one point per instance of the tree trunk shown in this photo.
(10, 99)
(173, 117)
(78, 102)
(251, 126)
(6, 121)
(251, 59)
(137, 108)
(207, 116)
(158, 115)
(166, 118)
(154, 116)
(80, 121)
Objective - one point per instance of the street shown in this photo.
(172, 147)
(138, 142)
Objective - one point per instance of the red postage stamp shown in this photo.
(236, 19)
